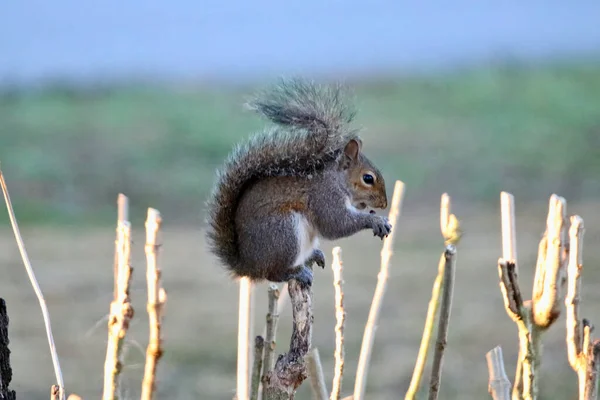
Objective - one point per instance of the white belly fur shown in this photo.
(307, 237)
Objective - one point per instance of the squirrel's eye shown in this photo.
(368, 179)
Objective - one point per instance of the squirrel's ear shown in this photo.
(353, 148)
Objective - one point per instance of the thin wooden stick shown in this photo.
(272, 318)
(315, 373)
(509, 253)
(499, 385)
(156, 302)
(244, 322)
(451, 233)
(444, 213)
(122, 215)
(282, 300)
(340, 316)
(259, 345)
(415, 382)
(54, 392)
(369, 334)
(580, 350)
(290, 369)
(572, 300)
(36, 288)
(5, 368)
(121, 313)
(546, 305)
(444, 321)
(509, 230)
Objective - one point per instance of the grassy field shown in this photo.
(67, 152)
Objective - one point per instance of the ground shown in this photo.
(74, 269)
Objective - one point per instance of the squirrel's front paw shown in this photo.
(381, 227)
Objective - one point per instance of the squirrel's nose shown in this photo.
(384, 204)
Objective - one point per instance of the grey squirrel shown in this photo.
(304, 179)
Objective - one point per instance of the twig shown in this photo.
(499, 385)
(121, 313)
(509, 230)
(244, 329)
(282, 300)
(427, 330)
(36, 288)
(272, 318)
(451, 233)
(340, 316)
(509, 286)
(444, 214)
(546, 304)
(259, 345)
(122, 215)
(520, 313)
(54, 392)
(315, 373)
(5, 369)
(369, 334)
(580, 349)
(446, 307)
(156, 302)
(290, 368)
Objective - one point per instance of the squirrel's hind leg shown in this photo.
(301, 273)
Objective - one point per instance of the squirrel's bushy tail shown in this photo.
(311, 130)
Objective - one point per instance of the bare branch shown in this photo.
(509, 232)
(369, 334)
(546, 307)
(444, 213)
(5, 369)
(156, 303)
(122, 215)
(582, 354)
(593, 365)
(446, 307)
(259, 344)
(520, 313)
(509, 286)
(121, 313)
(36, 288)
(340, 316)
(54, 392)
(572, 299)
(450, 230)
(427, 331)
(272, 319)
(244, 329)
(499, 385)
(315, 373)
(290, 368)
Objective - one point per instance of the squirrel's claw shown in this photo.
(318, 258)
(381, 227)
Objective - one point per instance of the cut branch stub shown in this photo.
(546, 303)
(509, 286)
(498, 384)
(290, 368)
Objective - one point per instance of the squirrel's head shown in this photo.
(365, 182)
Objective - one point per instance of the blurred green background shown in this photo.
(532, 129)
(146, 98)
